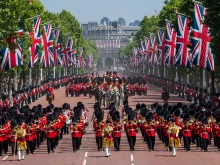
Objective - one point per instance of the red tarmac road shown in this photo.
(88, 155)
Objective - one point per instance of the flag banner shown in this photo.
(47, 57)
(201, 51)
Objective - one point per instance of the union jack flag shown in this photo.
(90, 60)
(153, 49)
(57, 48)
(81, 61)
(10, 59)
(170, 45)
(160, 46)
(47, 57)
(72, 53)
(35, 36)
(182, 52)
(201, 51)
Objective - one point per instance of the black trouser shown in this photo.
(50, 144)
(166, 141)
(99, 142)
(132, 141)
(56, 141)
(117, 141)
(75, 143)
(42, 136)
(218, 142)
(193, 137)
(204, 144)
(5, 146)
(151, 142)
(187, 142)
(85, 93)
(13, 148)
(34, 144)
(215, 140)
(195, 100)
(183, 95)
(30, 147)
(66, 128)
(29, 100)
(198, 142)
(1, 147)
(210, 137)
(33, 98)
(61, 132)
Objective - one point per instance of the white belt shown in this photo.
(130, 129)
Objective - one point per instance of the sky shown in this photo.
(95, 10)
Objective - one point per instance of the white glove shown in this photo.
(102, 134)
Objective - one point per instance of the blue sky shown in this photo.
(94, 10)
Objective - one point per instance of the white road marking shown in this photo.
(132, 157)
(86, 154)
(5, 158)
(132, 164)
(84, 162)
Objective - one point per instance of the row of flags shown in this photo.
(172, 46)
(53, 54)
(108, 44)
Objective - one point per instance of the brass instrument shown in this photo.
(51, 123)
(108, 130)
(152, 122)
(1, 127)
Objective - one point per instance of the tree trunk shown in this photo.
(20, 81)
(9, 83)
(1, 85)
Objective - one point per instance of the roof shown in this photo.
(131, 28)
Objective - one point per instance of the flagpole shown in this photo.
(198, 2)
(30, 76)
(41, 74)
(34, 17)
(204, 78)
(54, 72)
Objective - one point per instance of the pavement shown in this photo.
(89, 155)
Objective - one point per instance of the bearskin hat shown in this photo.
(177, 113)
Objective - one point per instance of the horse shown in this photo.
(122, 95)
(50, 97)
(116, 98)
(108, 98)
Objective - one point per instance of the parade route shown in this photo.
(89, 155)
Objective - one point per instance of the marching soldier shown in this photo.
(76, 133)
(107, 137)
(174, 140)
(117, 127)
(98, 128)
(131, 129)
(20, 139)
(187, 131)
(150, 129)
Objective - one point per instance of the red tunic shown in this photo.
(149, 129)
(204, 132)
(187, 130)
(131, 129)
(76, 131)
(98, 129)
(117, 130)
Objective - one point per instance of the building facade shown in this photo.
(109, 40)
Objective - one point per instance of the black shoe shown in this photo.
(53, 151)
(48, 152)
